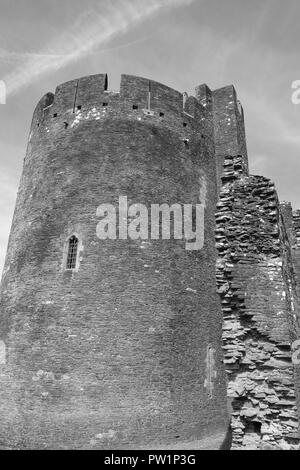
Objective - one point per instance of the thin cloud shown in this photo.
(13, 56)
(93, 29)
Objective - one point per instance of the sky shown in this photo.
(182, 43)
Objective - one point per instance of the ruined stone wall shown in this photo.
(126, 352)
(296, 247)
(295, 243)
(259, 301)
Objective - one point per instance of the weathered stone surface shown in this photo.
(255, 280)
(126, 351)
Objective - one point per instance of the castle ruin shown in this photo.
(141, 344)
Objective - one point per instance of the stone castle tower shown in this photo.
(119, 343)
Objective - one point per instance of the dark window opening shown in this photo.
(66, 125)
(105, 83)
(105, 104)
(79, 107)
(55, 115)
(135, 106)
(254, 426)
(72, 252)
(161, 114)
(257, 427)
(184, 124)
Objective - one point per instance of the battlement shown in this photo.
(150, 102)
(91, 91)
(214, 116)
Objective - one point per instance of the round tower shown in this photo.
(111, 343)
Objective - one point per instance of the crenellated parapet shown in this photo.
(212, 119)
(139, 99)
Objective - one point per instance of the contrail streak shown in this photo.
(92, 30)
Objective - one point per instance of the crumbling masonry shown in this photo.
(131, 344)
(256, 281)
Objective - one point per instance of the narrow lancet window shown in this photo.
(72, 252)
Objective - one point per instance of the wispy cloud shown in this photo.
(92, 29)
(13, 57)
